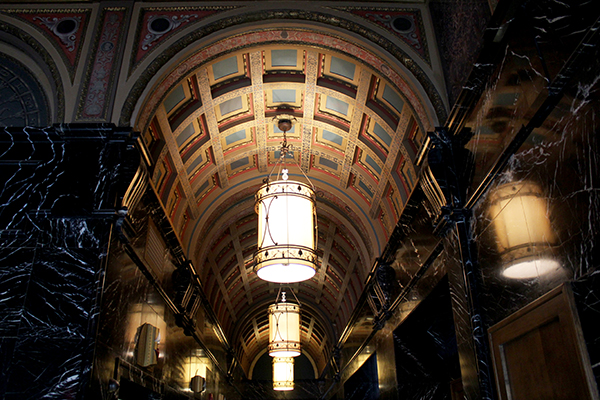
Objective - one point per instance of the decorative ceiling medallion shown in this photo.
(404, 23)
(64, 28)
(157, 24)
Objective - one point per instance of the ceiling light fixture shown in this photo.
(284, 328)
(286, 222)
(524, 232)
(283, 373)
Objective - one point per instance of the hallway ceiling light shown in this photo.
(525, 236)
(283, 373)
(284, 329)
(286, 224)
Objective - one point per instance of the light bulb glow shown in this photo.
(529, 269)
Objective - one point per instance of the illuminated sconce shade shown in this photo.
(283, 373)
(286, 232)
(524, 233)
(197, 384)
(147, 345)
(284, 330)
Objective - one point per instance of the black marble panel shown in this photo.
(48, 368)
(364, 383)
(586, 295)
(459, 27)
(426, 350)
(7, 348)
(15, 274)
(54, 232)
(61, 293)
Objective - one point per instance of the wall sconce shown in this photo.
(283, 373)
(286, 225)
(284, 329)
(524, 233)
(195, 370)
(197, 384)
(146, 351)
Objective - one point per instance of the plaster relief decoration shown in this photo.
(406, 24)
(98, 88)
(64, 28)
(157, 24)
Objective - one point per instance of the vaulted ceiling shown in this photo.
(209, 129)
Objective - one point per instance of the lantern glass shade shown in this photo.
(283, 373)
(286, 232)
(284, 330)
(524, 233)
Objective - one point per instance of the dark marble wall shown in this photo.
(58, 190)
(459, 27)
(534, 194)
(425, 348)
(84, 263)
(543, 103)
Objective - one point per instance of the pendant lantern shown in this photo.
(524, 233)
(286, 227)
(284, 329)
(283, 373)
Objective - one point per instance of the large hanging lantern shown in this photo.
(284, 329)
(524, 233)
(286, 228)
(283, 373)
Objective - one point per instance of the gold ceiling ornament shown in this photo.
(287, 228)
(284, 328)
(524, 234)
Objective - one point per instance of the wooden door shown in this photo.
(539, 352)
